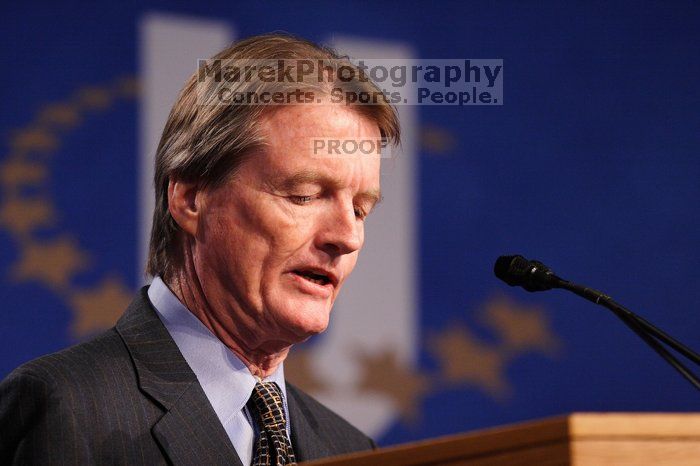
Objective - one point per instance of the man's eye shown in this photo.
(301, 199)
(359, 213)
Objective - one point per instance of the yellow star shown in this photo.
(299, 370)
(383, 373)
(464, 359)
(94, 98)
(128, 87)
(33, 139)
(99, 309)
(21, 216)
(437, 140)
(16, 172)
(62, 115)
(520, 328)
(54, 263)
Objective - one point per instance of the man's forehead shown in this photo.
(301, 122)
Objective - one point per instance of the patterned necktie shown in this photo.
(273, 447)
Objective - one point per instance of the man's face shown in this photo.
(276, 242)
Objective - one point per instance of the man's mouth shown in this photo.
(314, 277)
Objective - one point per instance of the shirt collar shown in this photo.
(226, 381)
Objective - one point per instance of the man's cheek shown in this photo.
(350, 264)
(284, 216)
(294, 230)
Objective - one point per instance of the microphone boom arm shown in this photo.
(535, 276)
(644, 329)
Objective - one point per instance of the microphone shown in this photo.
(533, 276)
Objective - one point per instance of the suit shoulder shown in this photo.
(80, 364)
(332, 424)
(68, 406)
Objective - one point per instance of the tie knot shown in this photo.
(269, 406)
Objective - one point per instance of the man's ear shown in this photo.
(184, 204)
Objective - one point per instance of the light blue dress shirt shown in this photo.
(226, 381)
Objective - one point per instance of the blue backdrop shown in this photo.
(591, 165)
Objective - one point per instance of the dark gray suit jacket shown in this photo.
(129, 397)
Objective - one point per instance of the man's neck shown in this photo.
(262, 358)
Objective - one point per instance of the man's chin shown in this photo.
(307, 323)
(307, 329)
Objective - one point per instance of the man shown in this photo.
(253, 237)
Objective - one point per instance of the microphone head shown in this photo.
(510, 268)
(531, 275)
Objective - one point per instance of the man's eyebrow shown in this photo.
(310, 176)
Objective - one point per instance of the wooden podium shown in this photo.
(633, 439)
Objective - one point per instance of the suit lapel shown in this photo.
(189, 432)
(307, 441)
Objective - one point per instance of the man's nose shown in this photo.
(341, 232)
